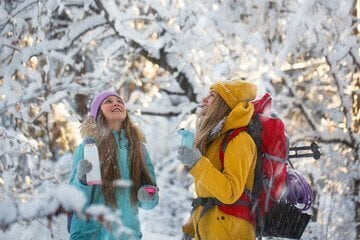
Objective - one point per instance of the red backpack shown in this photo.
(264, 205)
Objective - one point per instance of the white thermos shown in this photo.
(91, 154)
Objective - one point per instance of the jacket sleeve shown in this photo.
(79, 155)
(151, 171)
(228, 185)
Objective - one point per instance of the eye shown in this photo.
(107, 101)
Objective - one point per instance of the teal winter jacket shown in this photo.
(82, 230)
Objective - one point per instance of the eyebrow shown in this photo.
(111, 97)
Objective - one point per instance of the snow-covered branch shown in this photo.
(153, 52)
(64, 199)
(162, 56)
(60, 200)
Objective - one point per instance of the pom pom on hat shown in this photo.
(234, 92)
(96, 103)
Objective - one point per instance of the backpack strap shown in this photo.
(207, 203)
(245, 201)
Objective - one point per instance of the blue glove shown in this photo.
(188, 156)
(83, 168)
(146, 193)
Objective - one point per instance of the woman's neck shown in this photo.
(115, 125)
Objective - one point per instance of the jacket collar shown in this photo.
(91, 129)
(240, 116)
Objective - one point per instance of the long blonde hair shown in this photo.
(216, 112)
(138, 171)
(110, 167)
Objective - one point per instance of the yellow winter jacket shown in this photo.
(227, 185)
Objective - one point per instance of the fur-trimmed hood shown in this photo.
(94, 130)
(91, 129)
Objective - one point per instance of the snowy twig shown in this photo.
(165, 111)
(63, 200)
(16, 13)
(52, 204)
(346, 111)
(171, 93)
(299, 102)
(162, 61)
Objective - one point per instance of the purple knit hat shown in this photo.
(96, 103)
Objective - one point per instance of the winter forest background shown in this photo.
(162, 56)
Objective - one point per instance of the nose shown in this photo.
(205, 100)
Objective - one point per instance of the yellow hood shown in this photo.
(238, 95)
(240, 116)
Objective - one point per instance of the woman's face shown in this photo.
(113, 109)
(207, 101)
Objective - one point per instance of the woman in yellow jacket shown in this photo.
(227, 107)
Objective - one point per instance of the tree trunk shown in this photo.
(356, 125)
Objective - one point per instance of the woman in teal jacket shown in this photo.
(123, 156)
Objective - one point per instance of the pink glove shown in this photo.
(146, 193)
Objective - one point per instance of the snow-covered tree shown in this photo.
(162, 56)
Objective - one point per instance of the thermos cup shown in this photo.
(187, 138)
(92, 155)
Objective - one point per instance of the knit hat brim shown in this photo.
(234, 92)
(98, 100)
